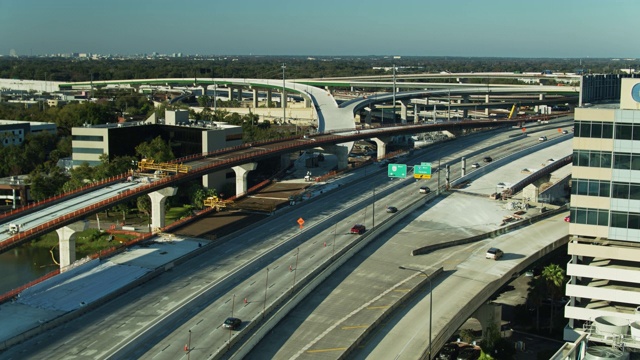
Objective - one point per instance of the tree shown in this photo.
(157, 150)
(143, 203)
(45, 184)
(200, 195)
(554, 277)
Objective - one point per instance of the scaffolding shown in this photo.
(216, 202)
(162, 169)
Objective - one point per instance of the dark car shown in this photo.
(425, 190)
(469, 353)
(449, 352)
(358, 229)
(487, 159)
(232, 323)
(392, 209)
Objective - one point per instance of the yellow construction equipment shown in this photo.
(162, 169)
(216, 202)
(513, 111)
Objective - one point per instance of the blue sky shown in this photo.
(501, 28)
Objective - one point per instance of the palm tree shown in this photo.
(554, 277)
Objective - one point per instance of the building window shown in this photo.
(623, 132)
(620, 191)
(87, 138)
(589, 216)
(587, 158)
(77, 150)
(619, 219)
(622, 161)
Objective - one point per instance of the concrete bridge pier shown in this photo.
(67, 242)
(541, 97)
(488, 314)
(230, 92)
(381, 143)
(242, 171)
(403, 112)
(487, 99)
(255, 98)
(158, 199)
(204, 89)
(268, 98)
(341, 151)
(465, 111)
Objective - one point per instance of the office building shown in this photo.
(604, 270)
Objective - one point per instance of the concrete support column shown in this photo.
(381, 143)
(230, 93)
(204, 89)
(158, 199)
(255, 98)
(465, 111)
(268, 98)
(67, 242)
(487, 98)
(239, 95)
(283, 99)
(488, 314)
(341, 151)
(463, 166)
(541, 97)
(416, 118)
(403, 112)
(307, 102)
(242, 171)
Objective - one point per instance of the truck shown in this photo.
(14, 229)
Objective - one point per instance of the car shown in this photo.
(494, 253)
(565, 132)
(487, 159)
(232, 323)
(392, 209)
(567, 218)
(424, 190)
(542, 138)
(475, 165)
(358, 229)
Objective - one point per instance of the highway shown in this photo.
(154, 314)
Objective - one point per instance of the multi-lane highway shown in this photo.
(156, 319)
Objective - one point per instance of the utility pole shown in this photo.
(284, 107)
(394, 94)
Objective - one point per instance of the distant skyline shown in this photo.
(474, 28)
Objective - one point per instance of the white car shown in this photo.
(542, 138)
(475, 165)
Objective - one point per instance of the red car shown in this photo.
(358, 229)
(567, 218)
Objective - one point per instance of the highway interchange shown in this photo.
(189, 303)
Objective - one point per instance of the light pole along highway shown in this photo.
(430, 301)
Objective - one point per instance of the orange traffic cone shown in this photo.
(186, 347)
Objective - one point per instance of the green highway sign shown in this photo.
(397, 170)
(422, 171)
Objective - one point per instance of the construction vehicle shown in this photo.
(216, 202)
(162, 169)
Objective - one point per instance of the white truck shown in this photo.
(14, 229)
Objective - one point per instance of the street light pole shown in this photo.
(430, 301)
(266, 284)
(284, 107)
